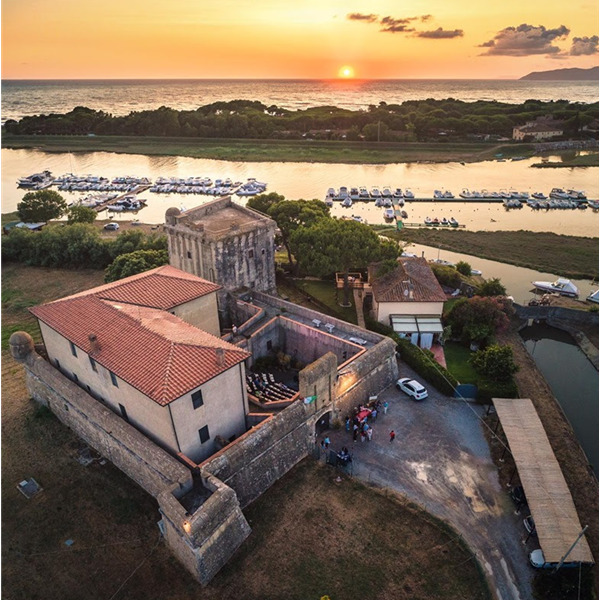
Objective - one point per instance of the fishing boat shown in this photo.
(561, 286)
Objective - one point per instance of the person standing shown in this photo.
(392, 435)
(327, 441)
(385, 407)
(347, 423)
(374, 414)
(369, 433)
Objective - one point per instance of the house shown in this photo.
(147, 347)
(410, 300)
(541, 129)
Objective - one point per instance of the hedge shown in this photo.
(420, 360)
(488, 389)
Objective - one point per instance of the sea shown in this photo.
(120, 97)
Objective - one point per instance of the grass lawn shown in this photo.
(457, 357)
(311, 535)
(326, 292)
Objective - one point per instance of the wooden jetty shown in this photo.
(135, 191)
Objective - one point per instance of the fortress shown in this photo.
(153, 371)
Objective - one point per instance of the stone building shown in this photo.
(146, 347)
(223, 242)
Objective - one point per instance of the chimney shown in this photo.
(94, 343)
(220, 357)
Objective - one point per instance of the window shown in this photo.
(113, 378)
(251, 253)
(204, 435)
(269, 345)
(189, 254)
(197, 399)
(73, 349)
(93, 363)
(262, 251)
(123, 412)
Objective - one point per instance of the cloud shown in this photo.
(392, 25)
(525, 40)
(440, 34)
(361, 17)
(584, 45)
(425, 18)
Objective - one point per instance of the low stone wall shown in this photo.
(256, 460)
(572, 316)
(307, 313)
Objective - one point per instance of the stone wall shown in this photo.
(256, 460)
(558, 313)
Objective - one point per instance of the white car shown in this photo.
(112, 226)
(411, 387)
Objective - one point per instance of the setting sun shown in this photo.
(346, 72)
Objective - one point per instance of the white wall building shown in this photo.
(147, 347)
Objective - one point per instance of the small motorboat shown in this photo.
(593, 297)
(347, 202)
(539, 196)
(408, 195)
(444, 222)
(388, 214)
(561, 286)
(428, 221)
(453, 222)
(404, 214)
(476, 272)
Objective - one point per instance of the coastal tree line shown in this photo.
(413, 120)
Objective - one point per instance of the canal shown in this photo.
(573, 380)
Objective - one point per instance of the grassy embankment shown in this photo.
(569, 256)
(340, 549)
(268, 150)
(583, 160)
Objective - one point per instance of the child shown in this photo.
(392, 435)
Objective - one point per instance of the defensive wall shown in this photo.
(204, 538)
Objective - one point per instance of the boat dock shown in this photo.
(105, 205)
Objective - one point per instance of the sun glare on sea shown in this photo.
(346, 72)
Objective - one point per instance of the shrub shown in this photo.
(464, 268)
(491, 287)
(136, 262)
(495, 363)
(447, 276)
(488, 389)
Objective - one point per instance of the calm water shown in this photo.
(119, 97)
(573, 380)
(311, 180)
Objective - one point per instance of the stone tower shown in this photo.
(225, 243)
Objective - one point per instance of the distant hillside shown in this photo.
(564, 75)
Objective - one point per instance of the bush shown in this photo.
(495, 363)
(491, 287)
(488, 389)
(424, 364)
(136, 262)
(464, 268)
(447, 276)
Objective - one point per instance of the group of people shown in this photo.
(359, 422)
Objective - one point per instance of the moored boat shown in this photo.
(561, 286)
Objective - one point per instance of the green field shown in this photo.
(264, 150)
(569, 256)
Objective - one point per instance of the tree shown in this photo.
(134, 263)
(491, 287)
(495, 362)
(337, 245)
(291, 215)
(464, 268)
(477, 319)
(40, 206)
(263, 202)
(81, 214)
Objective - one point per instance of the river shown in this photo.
(311, 180)
(573, 380)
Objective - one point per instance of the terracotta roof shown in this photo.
(155, 352)
(164, 287)
(412, 275)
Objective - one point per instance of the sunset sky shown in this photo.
(89, 39)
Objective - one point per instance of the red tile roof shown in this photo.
(412, 275)
(164, 287)
(157, 353)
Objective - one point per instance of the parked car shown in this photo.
(112, 226)
(529, 524)
(412, 387)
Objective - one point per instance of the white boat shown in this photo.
(453, 222)
(559, 193)
(354, 194)
(375, 193)
(363, 193)
(408, 195)
(593, 297)
(397, 193)
(476, 272)
(388, 214)
(347, 202)
(386, 192)
(539, 196)
(561, 286)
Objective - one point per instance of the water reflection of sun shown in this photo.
(346, 72)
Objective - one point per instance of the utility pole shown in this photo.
(562, 560)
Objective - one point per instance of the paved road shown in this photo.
(441, 461)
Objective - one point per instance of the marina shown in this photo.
(308, 180)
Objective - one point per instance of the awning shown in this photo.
(548, 496)
(416, 324)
